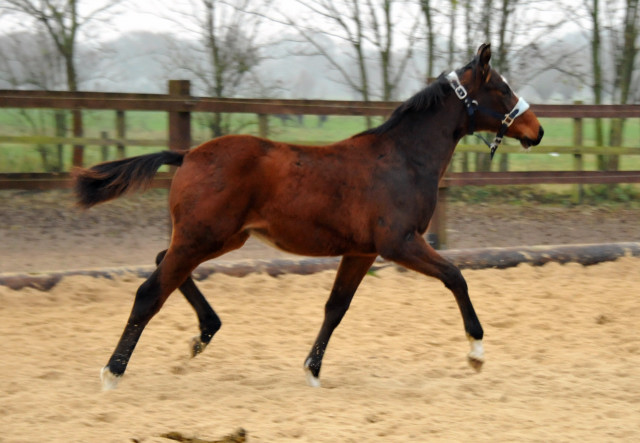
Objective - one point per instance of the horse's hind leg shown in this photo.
(350, 273)
(207, 318)
(172, 272)
(150, 297)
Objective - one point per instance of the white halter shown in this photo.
(472, 106)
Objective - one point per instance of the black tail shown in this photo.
(109, 180)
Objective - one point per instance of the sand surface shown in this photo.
(562, 349)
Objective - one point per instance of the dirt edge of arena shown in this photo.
(477, 258)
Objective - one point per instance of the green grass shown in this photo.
(153, 125)
(559, 131)
(337, 127)
(623, 195)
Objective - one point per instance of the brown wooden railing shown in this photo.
(179, 104)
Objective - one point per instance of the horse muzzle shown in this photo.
(527, 142)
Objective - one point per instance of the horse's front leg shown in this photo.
(414, 253)
(351, 271)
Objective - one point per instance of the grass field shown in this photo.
(153, 125)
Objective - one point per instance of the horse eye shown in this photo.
(505, 90)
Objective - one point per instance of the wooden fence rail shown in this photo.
(180, 104)
(187, 103)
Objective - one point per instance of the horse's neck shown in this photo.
(431, 138)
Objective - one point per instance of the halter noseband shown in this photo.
(473, 106)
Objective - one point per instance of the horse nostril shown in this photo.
(537, 141)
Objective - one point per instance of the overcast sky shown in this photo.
(146, 15)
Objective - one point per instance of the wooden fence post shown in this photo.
(61, 131)
(121, 132)
(179, 122)
(578, 164)
(437, 230)
(263, 125)
(104, 148)
(78, 150)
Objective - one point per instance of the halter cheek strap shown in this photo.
(519, 109)
(462, 94)
(472, 106)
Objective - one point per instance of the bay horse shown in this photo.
(370, 195)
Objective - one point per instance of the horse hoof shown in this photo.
(109, 379)
(476, 355)
(197, 346)
(312, 380)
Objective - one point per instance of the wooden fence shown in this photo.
(180, 104)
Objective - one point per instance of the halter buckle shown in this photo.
(508, 120)
(454, 81)
(460, 91)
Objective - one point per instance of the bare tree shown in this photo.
(29, 60)
(610, 30)
(428, 11)
(371, 32)
(227, 50)
(593, 9)
(627, 51)
(324, 20)
(624, 52)
(383, 35)
(62, 21)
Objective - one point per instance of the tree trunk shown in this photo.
(597, 78)
(624, 76)
(426, 11)
(452, 34)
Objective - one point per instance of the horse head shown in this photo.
(492, 105)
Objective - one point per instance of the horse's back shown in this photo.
(239, 161)
(284, 193)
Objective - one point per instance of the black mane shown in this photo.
(428, 98)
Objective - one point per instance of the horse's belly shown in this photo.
(265, 238)
(309, 244)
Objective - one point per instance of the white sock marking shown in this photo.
(477, 351)
(312, 380)
(476, 355)
(109, 379)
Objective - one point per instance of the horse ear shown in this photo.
(484, 57)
